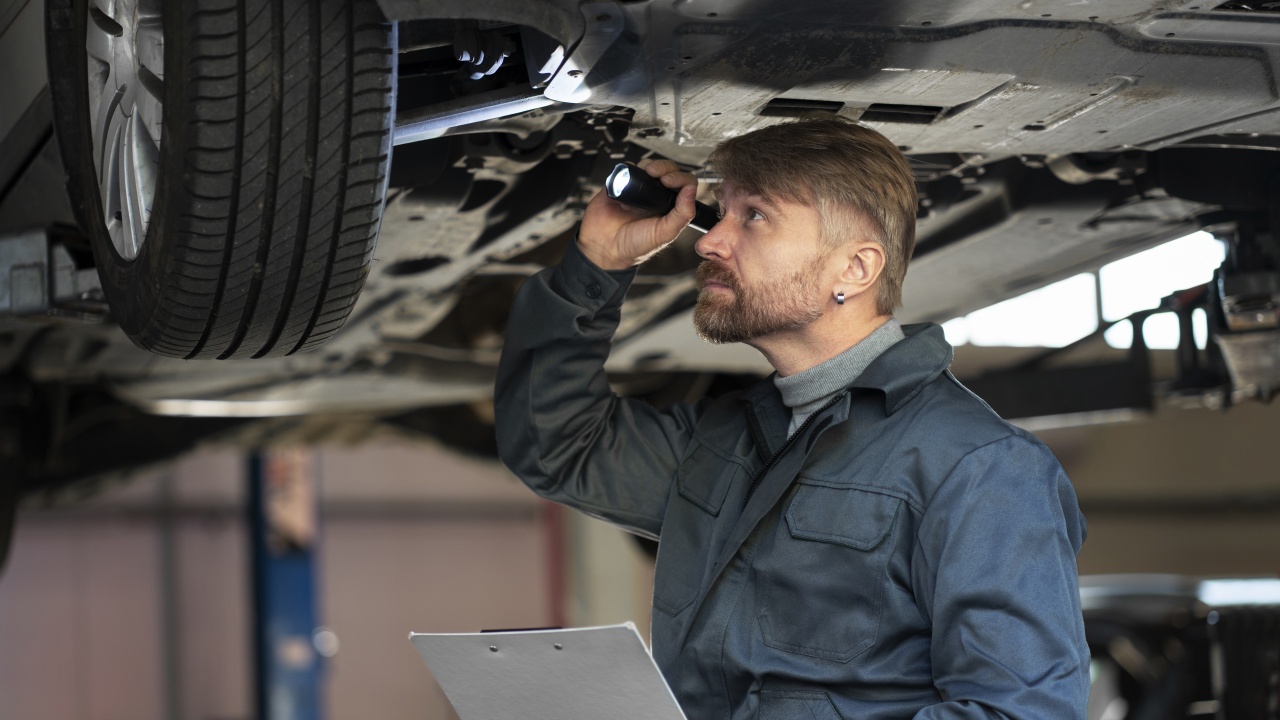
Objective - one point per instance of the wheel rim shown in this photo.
(125, 44)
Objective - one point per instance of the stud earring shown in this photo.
(840, 298)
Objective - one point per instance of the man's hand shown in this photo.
(616, 237)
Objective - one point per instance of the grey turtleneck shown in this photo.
(807, 391)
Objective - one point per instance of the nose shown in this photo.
(715, 243)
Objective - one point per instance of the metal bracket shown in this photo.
(605, 23)
(38, 276)
(436, 120)
(568, 84)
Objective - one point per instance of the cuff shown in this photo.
(585, 283)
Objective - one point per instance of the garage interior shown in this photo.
(150, 558)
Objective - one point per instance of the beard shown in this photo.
(776, 305)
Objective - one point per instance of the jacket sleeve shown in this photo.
(997, 558)
(560, 428)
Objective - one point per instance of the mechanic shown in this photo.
(857, 536)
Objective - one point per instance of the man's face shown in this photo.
(763, 271)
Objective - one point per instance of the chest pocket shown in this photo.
(684, 549)
(823, 584)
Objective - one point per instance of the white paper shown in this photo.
(597, 673)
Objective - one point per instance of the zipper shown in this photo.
(786, 445)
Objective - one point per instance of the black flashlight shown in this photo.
(632, 186)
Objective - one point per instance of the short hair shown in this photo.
(859, 181)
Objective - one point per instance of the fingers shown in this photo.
(604, 216)
(616, 236)
(685, 201)
(669, 173)
(658, 168)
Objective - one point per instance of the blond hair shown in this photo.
(858, 180)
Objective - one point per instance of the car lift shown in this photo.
(284, 530)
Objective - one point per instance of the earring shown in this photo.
(840, 298)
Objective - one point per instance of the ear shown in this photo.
(865, 263)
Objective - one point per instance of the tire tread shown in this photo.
(285, 135)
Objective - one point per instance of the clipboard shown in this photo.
(594, 673)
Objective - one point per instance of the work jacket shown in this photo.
(905, 553)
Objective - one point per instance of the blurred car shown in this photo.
(218, 211)
(1167, 646)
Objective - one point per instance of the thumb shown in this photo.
(673, 222)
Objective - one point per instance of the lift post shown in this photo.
(284, 522)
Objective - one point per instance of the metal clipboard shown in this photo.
(595, 673)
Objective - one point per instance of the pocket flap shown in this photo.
(845, 516)
(705, 477)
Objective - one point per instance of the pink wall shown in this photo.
(413, 540)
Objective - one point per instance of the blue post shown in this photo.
(284, 522)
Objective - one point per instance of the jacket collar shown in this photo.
(767, 416)
(900, 372)
(903, 370)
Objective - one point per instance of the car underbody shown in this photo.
(1047, 139)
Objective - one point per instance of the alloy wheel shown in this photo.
(125, 43)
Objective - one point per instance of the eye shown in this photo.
(754, 214)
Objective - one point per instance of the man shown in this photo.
(856, 537)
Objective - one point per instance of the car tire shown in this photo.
(268, 169)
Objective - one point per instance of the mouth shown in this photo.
(711, 277)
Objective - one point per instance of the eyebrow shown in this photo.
(768, 204)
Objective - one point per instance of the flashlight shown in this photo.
(632, 186)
